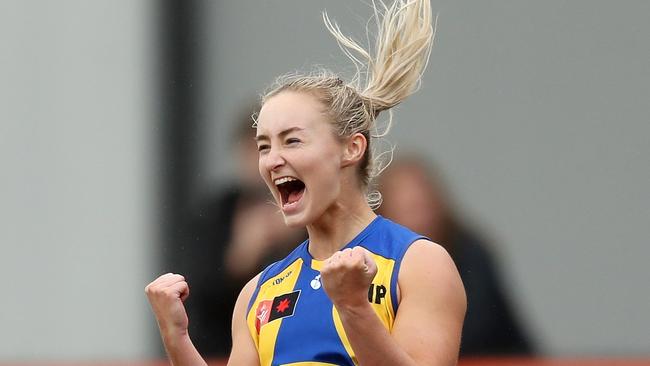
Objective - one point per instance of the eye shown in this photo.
(292, 141)
(263, 147)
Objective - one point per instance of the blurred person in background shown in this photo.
(414, 195)
(238, 233)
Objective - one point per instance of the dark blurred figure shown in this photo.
(237, 233)
(414, 196)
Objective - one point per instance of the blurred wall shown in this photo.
(77, 145)
(538, 114)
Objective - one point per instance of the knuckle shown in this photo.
(167, 293)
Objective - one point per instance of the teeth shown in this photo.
(283, 180)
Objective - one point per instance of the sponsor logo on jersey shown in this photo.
(279, 280)
(376, 293)
(280, 307)
(262, 314)
(315, 283)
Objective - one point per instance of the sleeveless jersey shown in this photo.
(290, 317)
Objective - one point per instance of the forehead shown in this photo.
(291, 109)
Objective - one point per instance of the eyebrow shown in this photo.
(281, 134)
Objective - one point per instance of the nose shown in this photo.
(274, 160)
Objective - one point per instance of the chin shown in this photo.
(302, 218)
(295, 221)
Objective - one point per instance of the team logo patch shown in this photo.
(280, 307)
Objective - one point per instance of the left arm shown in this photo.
(430, 317)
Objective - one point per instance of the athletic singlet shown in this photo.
(290, 317)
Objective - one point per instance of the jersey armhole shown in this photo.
(395, 275)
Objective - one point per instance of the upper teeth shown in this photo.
(283, 180)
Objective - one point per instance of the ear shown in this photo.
(354, 149)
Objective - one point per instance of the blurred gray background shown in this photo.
(536, 111)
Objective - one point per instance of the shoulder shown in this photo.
(244, 351)
(241, 305)
(274, 274)
(246, 294)
(428, 269)
(432, 306)
(426, 250)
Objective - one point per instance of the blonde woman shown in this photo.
(361, 290)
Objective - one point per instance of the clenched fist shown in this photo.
(346, 276)
(166, 295)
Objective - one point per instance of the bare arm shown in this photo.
(430, 318)
(243, 351)
(429, 321)
(166, 295)
(181, 351)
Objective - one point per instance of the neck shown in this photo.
(341, 223)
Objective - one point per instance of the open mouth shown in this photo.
(291, 190)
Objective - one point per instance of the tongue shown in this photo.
(295, 196)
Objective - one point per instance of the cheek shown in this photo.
(325, 166)
(320, 176)
(321, 166)
(327, 182)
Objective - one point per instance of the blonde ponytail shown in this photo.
(383, 79)
(402, 48)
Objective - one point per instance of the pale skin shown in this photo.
(294, 136)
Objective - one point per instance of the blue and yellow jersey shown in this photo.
(290, 317)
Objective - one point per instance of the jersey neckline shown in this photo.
(317, 264)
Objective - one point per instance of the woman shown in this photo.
(361, 290)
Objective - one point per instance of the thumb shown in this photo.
(369, 262)
(181, 289)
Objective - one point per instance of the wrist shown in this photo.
(354, 308)
(173, 333)
(175, 340)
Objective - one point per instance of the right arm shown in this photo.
(166, 295)
(243, 351)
